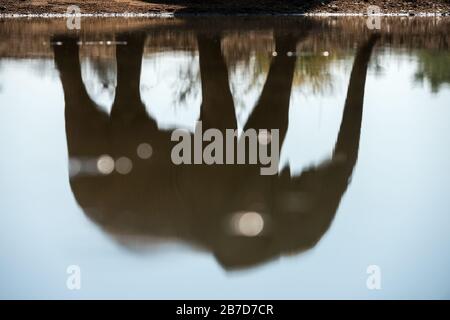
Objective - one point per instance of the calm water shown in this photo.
(87, 179)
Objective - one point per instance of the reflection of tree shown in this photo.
(434, 67)
(254, 70)
(248, 59)
(187, 84)
(104, 69)
(100, 78)
(312, 71)
(41, 67)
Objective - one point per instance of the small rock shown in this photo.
(333, 7)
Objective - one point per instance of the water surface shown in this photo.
(87, 178)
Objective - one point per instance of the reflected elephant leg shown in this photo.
(217, 109)
(86, 124)
(272, 108)
(127, 103)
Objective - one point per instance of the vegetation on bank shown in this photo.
(225, 6)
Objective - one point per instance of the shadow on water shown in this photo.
(241, 7)
(242, 217)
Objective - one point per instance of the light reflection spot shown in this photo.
(124, 165)
(105, 164)
(249, 224)
(144, 151)
(74, 167)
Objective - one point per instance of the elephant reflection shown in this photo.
(242, 217)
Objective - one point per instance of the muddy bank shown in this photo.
(180, 7)
(30, 38)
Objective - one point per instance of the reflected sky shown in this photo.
(394, 212)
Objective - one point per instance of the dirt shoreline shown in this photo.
(226, 7)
